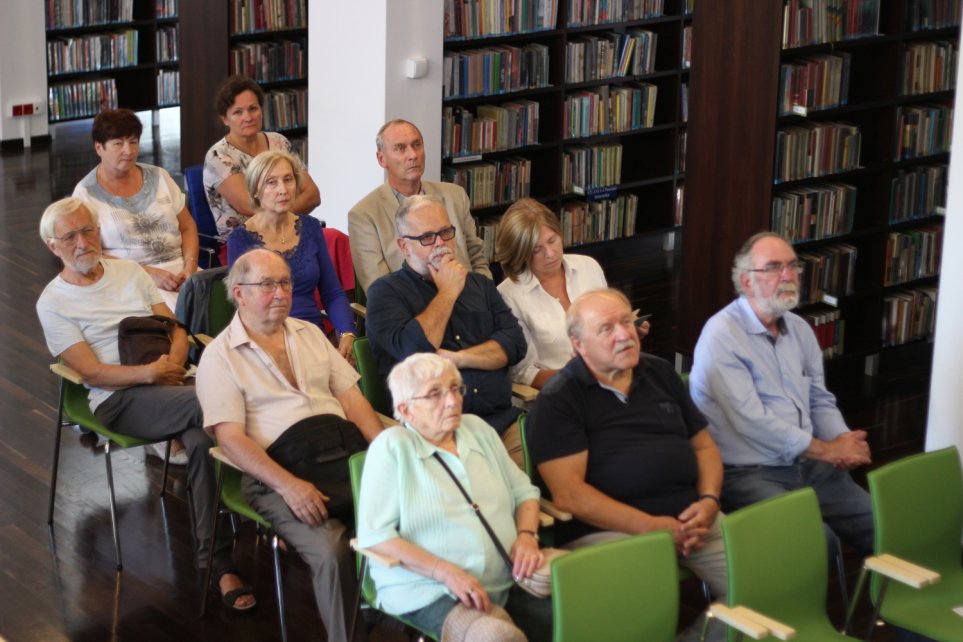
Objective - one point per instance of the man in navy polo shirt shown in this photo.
(622, 447)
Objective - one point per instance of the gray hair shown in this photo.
(380, 138)
(242, 268)
(573, 317)
(414, 204)
(257, 172)
(741, 263)
(59, 210)
(408, 376)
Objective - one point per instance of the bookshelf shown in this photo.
(874, 100)
(266, 41)
(108, 54)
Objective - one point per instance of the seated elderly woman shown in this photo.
(541, 283)
(452, 581)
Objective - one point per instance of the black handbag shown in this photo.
(142, 340)
(317, 449)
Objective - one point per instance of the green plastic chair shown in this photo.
(73, 408)
(366, 586)
(372, 383)
(627, 590)
(232, 500)
(918, 516)
(776, 557)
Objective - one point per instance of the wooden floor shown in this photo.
(61, 584)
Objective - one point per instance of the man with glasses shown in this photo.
(270, 384)
(434, 304)
(758, 378)
(371, 222)
(80, 311)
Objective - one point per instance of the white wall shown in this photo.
(356, 82)
(23, 66)
(945, 419)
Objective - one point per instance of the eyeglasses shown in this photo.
(438, 394)
(776, 269)
(89, 232)
(428, 238)
(268, 286)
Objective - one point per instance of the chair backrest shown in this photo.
(918, 508)
(372, 383)
(202, 304)
(776, 557)
(355, 468)
(623, 590)
(200, 209)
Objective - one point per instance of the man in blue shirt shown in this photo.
(758, 378)
(434, 304)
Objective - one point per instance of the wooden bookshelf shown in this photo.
(271, 47)
(897, 182)
(108, 54)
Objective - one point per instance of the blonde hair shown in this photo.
(257, 172)
(518, 233)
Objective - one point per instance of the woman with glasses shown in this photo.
(541, 281)
(451, 582)
(274, 184)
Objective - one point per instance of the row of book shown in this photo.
(912, 255)
(587, 168)
(286, 108)
(816, 212)
(609, 110)
(918, 192)
(811, 22)
(923, 130)
(814, 82)
(168, 87)
(492, 183)
(487, 232)
(829, 328)
(167, 47)
(932, 14)
(491, 128)
(81, 99)
(816, 149)
(165, 8)
(928, 67)
(299, 147)
(828, 273)
(495, 70)
(687, 46)
(249, 16)
(602, 220)
(909, 315)
(268, 61)
(609, 55)
(594, 12)
(486, 18)
(93, 52)
(64, 14)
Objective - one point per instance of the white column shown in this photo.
(23, 67)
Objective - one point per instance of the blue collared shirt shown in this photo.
(765, 398)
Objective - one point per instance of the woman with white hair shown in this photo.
(452, 580)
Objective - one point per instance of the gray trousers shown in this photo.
(324, 548)
(168, 412)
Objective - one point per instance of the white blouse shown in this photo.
(542, 317)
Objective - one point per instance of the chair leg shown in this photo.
(167, 463)
(841, 575)
(357, 598)
(56, 456)
(210, 542)
(113, 504)
(860, 582)
(879, 605)
(279, 588)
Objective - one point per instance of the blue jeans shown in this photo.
(531, 614)
(845, 506)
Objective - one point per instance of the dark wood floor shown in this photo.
(61, 585)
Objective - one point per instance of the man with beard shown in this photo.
(758, 378)
(620, 445)
(434, 304)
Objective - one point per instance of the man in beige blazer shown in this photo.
(371, 222)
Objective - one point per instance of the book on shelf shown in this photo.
(923, 130)
(609, 55)
(829, 328)
(912, 255)
(594, 12)
(492, 183)
(268, 61)
(81, 99)
(286, 108)
(165, 8)
(813, 83)
(251, 16)
(67, 14)
(168, 87)
(828, 273)
(609, 109)
(491, 128)
(814, 212)
(167, 48)
(585, 168)
(909, 315)
(601, 220)
(687, 47)
(932, 14)
(816, 149)
(928, 67)
(93, 52)
(486, 18)
(812, 22)
(495, 70)
(918, 192)
(486, 232)
(679, 206)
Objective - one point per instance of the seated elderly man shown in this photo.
(622, 447)
(284, 407)
(80, 311)
(434, 304)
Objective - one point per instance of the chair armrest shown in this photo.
(205, 339)
(902, 571)
(523, 392)
(68, 373)
(359, 309)
(557, 513)
(545, 520)
(751, 623)
(387, 421)
(222, 457)
(384, 560)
